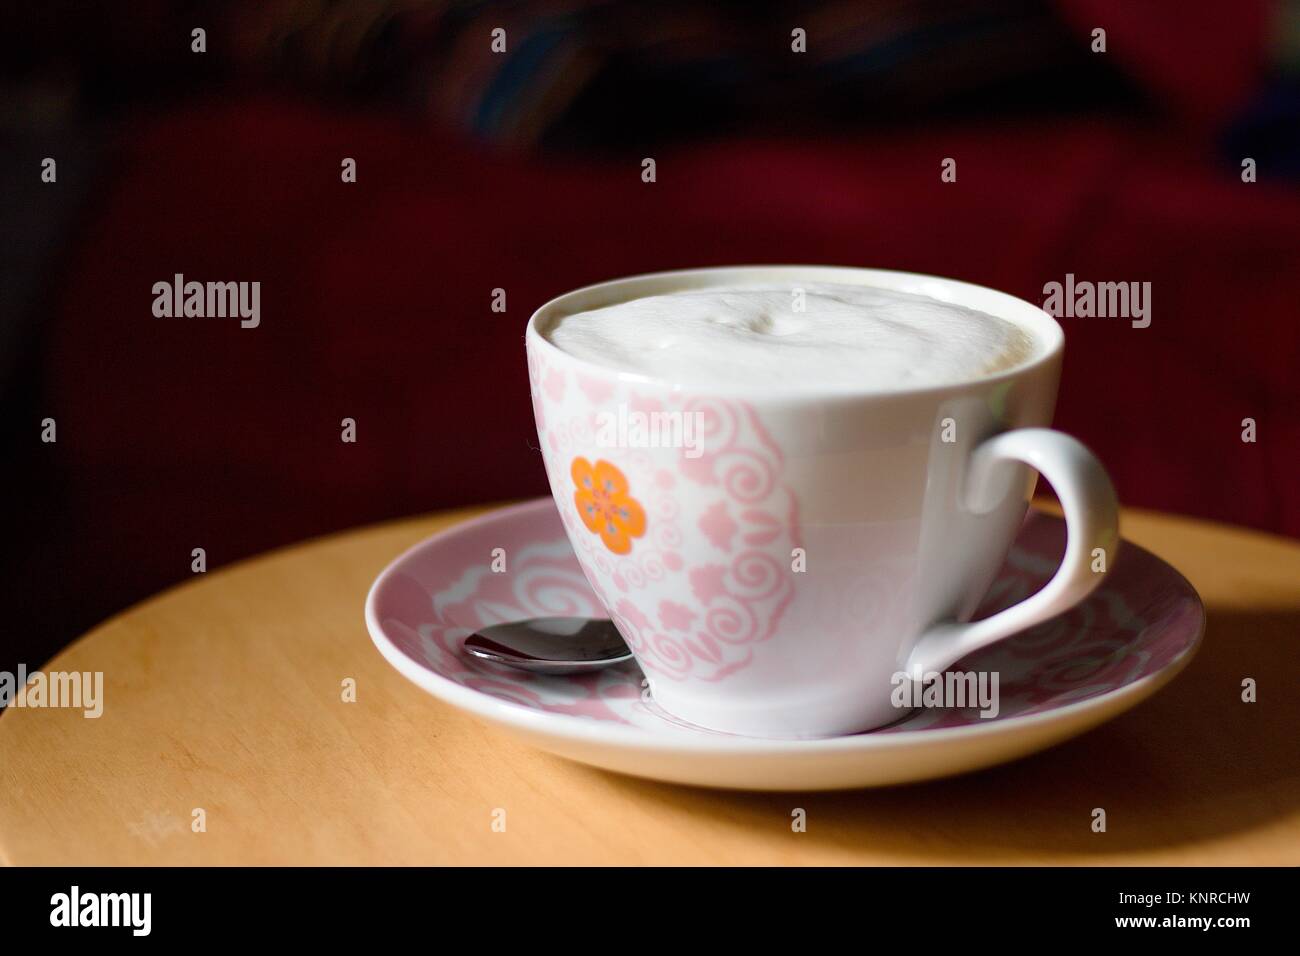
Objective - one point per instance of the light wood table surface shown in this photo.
(225, 694)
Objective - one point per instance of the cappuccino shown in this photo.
(824, 334)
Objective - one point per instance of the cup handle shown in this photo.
(1092, 521)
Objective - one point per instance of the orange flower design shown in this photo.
(605, 506)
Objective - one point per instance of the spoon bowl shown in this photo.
(551, 645)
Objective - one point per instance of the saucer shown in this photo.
(1125, 641)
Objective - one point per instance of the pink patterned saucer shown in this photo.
(1130, 637)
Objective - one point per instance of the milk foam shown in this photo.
(846, 335)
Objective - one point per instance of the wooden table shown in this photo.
(225, 694)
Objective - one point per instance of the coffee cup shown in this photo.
(776, 554)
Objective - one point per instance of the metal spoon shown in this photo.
(551, 645)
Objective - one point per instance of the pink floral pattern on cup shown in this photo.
(738, 507)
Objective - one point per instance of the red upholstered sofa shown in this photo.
(179, 433)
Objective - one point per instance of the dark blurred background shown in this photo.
(522, 170)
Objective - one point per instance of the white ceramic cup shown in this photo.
(775, 574)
